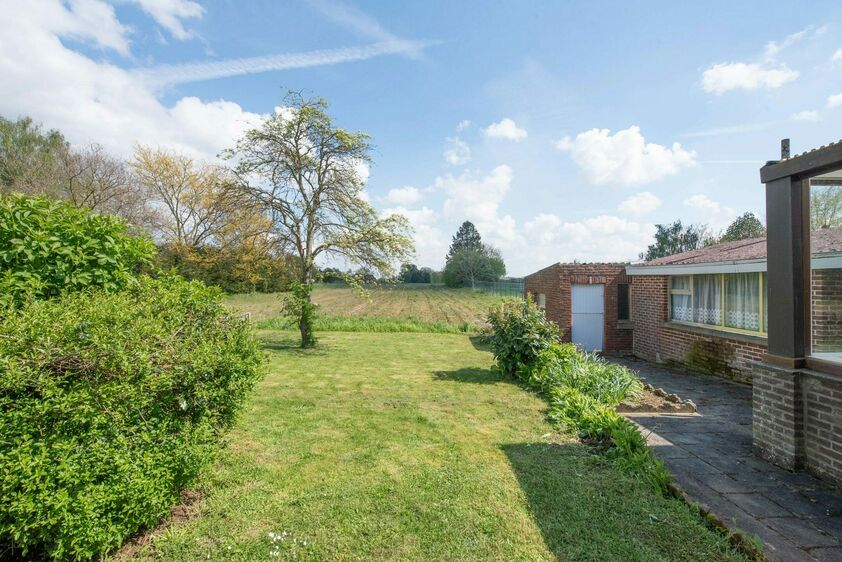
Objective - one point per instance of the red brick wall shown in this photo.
(721, 355)
(556, 281)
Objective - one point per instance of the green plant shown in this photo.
(582, 388)
(519, 333)
(299, 306)
(110, 404)
(47, 247)
(561, 364)
(598, 422)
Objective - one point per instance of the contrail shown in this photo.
(198, 71)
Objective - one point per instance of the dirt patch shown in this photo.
(184, 510)
(657, 400)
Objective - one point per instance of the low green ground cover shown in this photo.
(412, 446)
(413, 303)
(375, 324)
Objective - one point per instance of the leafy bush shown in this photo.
(563, 365)
(47, 247)
(520, 332)
(239, 268)
(110, 404)
(582, 388)
(299, 306)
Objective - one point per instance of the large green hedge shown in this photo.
(47, 247)
(110, 403)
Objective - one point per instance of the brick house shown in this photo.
(706, 309)
(589, 302)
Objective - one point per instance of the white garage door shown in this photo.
(588, 316)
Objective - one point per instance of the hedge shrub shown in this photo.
(519, 333)
(110, 404)
(47, 247)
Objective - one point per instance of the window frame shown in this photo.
(628, 302)
(721, 278)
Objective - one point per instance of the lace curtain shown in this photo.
(707, 299)
(680, 307)
(742, 301)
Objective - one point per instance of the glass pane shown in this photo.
(826, 266)
(681, 282)
(680, 308)
(742, 301)
(623, 301)
(707, 300)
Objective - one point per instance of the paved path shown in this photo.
(797, 517)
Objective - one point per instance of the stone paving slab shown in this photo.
(709, 454)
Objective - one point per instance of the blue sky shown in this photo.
(564, 130)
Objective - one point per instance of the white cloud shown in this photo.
(640, 204)
(602, 238)
(170, 13)
(457, 152)
(773, 48)
(724, 77)
(403, 195)
(505, 129)
(464, 124)
(93, 101)
(478, 199)
(834, 101)
(806, 115)
(837, 56)
(92, 21)
(714, 213)
(431, 243)
(624, 157)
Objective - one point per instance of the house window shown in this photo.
(542, 301)
(623, 304)
(681, 308)
(733, 301)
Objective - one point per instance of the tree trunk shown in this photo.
(306, 333)
(305, 326)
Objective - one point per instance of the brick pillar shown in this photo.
(778, 415)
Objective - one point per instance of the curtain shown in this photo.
(742, 301)
(707, 299)
(680, 307)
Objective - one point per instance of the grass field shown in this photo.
(427, 305)
(410, 447)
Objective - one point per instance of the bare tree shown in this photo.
(94, 179)
(195, 208)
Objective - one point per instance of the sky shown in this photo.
(564, 130)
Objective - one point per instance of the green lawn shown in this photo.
(424, 304)
(409, 447)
